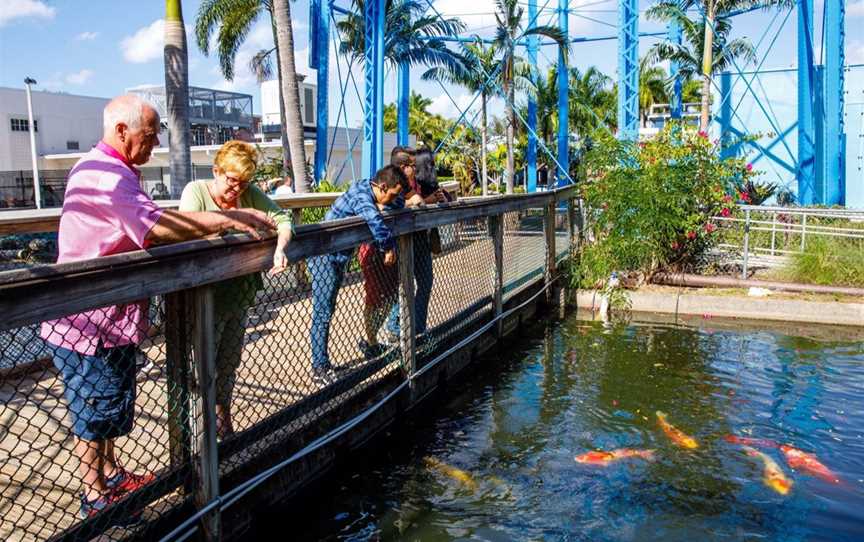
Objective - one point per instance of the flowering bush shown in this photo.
(651, 203)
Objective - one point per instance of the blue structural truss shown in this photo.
(818, 160)
(628, 69)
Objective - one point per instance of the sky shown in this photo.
(101, 47)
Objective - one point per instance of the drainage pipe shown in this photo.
(699, 281)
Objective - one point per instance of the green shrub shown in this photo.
(830, 262)
(651, 203)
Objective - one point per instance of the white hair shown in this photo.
(127, 109)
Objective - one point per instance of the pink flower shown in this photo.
(725, 212)
(691, 235)
(709, 227)
(675, 245)
(703, 135)
(749, 167)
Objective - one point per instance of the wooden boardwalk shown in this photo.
(38, 473)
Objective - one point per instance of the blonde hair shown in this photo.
(237, 156)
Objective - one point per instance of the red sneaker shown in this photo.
(127, 482)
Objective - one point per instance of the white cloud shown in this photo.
(855, 9)
(18, 9)
(79, 78)
(87, 36)
(147, 43)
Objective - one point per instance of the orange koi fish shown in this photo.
(602, 458)
(807, 462)
(676, 435)
(747, 441)
(772, 475)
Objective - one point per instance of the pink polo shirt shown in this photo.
(104, 212)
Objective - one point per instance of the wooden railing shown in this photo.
(47, 220)
(183, 274)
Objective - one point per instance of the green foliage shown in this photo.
(269, 168)
(754, 193)
(829, 261)
(651, 203)
(313, 215)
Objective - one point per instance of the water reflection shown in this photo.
(584, 386)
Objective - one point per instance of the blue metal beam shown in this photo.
(563, 100)
(628, 69)
(834, 133)
(402, 98)
(321, 39)
(806, 171)
(531, 151)
(674, 36)
(373, 91)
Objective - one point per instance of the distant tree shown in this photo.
(652, 87)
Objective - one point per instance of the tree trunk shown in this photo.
(707, 64)
(283, 125)
(177, 97)
(511, 118)
(290, 93)
(483, 135)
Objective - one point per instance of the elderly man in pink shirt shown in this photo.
(106, 212)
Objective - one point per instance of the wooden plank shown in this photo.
(406, 304)
(549, 236)
(177, 366)
(43, 293)
(496, 229)
(205, 361)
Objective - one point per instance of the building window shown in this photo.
(22, 125)
(71, 145)
(309, 109)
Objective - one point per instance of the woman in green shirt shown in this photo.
(233, 167)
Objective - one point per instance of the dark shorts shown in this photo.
(100, 390)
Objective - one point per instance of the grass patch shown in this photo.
(829, 262)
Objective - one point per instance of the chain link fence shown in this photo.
(230, 361)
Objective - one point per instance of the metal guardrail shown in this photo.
(490, 249)
(773, 233)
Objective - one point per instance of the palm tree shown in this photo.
(515, 72)
(652, 87)
(411, 37)
(234, 20)
(177, 97)
(592, 101)
(290, 92)
(428, 128)
(708, 45)
(477, 74)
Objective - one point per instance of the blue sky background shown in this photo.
(101, 47)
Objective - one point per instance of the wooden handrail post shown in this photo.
(300, 266)
(549, 235)
(406, 304)
(177, 365)
(496, 231)
(205, 361)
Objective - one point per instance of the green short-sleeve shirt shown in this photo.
(239, 291)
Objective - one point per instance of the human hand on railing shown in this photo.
(280, 257)
(415, 201)
(390, 257)
(436, 197)
(251, 221)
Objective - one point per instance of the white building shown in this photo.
(270, 119)
(63, 122)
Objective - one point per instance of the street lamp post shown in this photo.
(36, 195)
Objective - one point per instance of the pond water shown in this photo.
(494, 460)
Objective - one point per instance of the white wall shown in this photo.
(270, 103)
(60, 118)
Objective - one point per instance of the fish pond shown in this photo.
(496, 457)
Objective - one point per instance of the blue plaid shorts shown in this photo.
(100, 390)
